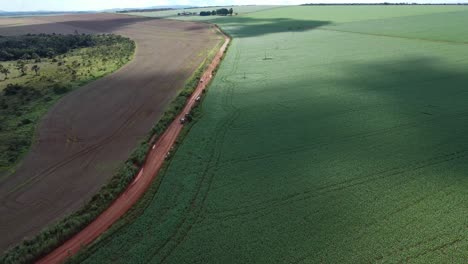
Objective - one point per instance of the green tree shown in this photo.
(21, 66)
(36, 69)
(222, 12)
(5, 71)
(76, 64)
(74, 74)
(213, 13)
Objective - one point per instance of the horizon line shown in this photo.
(193, 7)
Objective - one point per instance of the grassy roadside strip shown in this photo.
(50, 238)
(145, 200)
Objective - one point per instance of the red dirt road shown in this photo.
(142, 181)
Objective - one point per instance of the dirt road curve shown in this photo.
(139, 185)
(91, 131)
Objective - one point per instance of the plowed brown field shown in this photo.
(89, 132)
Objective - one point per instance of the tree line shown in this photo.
(48, 45)
(34, 48)
(219, 12)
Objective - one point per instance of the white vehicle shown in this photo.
(198, 99)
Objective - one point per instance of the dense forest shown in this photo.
(47, 46)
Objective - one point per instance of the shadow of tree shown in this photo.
(423, 79)
(238, 27)
(242, 27)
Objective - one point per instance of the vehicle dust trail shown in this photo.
(141, 183)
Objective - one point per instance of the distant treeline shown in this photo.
(384, 3)
(219, 12)
(47, 46)
(145, 10)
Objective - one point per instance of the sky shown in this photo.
(80, 5)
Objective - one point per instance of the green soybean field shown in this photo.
(331, 134)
